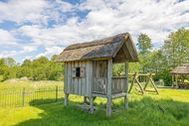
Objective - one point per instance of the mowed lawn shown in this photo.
(170, 108)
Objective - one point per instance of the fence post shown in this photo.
(56, 93)
(23, 97)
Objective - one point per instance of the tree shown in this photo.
(9, 62)
(54, 57)
(176, 48)
(144, 43)
(27, 62)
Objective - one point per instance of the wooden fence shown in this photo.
(22, 97)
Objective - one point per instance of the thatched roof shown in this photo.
(101, 49)
(184, 69)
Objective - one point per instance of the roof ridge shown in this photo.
(102, 41)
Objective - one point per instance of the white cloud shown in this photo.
(49, 52)
(7, 38)
(157, 18)
(22, 10)
(4, 54)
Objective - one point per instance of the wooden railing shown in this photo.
(118, 84)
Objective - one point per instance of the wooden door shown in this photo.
(100, 69)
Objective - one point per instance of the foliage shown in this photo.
(176, 48)
(9, 61)
(144, 43)
(164, 75)
(38, 69)
(118, 69)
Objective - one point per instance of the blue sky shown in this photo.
(37, 28)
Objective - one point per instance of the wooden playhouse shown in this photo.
(88, 69)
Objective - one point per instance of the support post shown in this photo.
(66, 99)
(176, 81)
(109, 90)
(172, 80)
(84, 99)
(91, 105)
(126, 85)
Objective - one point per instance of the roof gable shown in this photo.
(100, 49)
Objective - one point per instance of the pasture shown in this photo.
(170, 108)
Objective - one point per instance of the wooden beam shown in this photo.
(109, 90)
(66, 99)
(91, 105)
(126, 85)
(65, 77)
(135, 80)
(172, 78)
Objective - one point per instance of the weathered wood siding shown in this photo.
(100, 77)
(118, 84)
(78, 85)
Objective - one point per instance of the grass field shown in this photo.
(170, 108)
(17, 93)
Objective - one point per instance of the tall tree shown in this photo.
(176, 48)
(27, 62)
(9, 62)
(144, 43)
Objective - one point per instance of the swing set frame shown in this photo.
(149, 80)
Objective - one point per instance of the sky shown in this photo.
(33, 28)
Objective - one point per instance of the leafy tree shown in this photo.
(144, 43)
(176, 48)
(9, 62)
(27, 62)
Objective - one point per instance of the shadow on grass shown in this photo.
(144, 112)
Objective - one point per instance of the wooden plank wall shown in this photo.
(78, 85)
(100, 76)
(118, 84)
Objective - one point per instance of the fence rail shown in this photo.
(24, 96)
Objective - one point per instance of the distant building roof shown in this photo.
(183, 69)
(101, 49)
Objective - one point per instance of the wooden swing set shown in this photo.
(149, 80)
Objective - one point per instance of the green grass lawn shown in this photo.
(170, 108)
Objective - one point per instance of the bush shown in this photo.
(165, 75)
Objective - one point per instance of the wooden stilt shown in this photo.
(109, 107)
(109, 90)
(66, 99)
(126, 100)
(85, 99)
(91, 105)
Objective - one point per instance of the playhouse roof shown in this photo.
(184, 69)
(101, 49)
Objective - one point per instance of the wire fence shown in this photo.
(23, 97)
